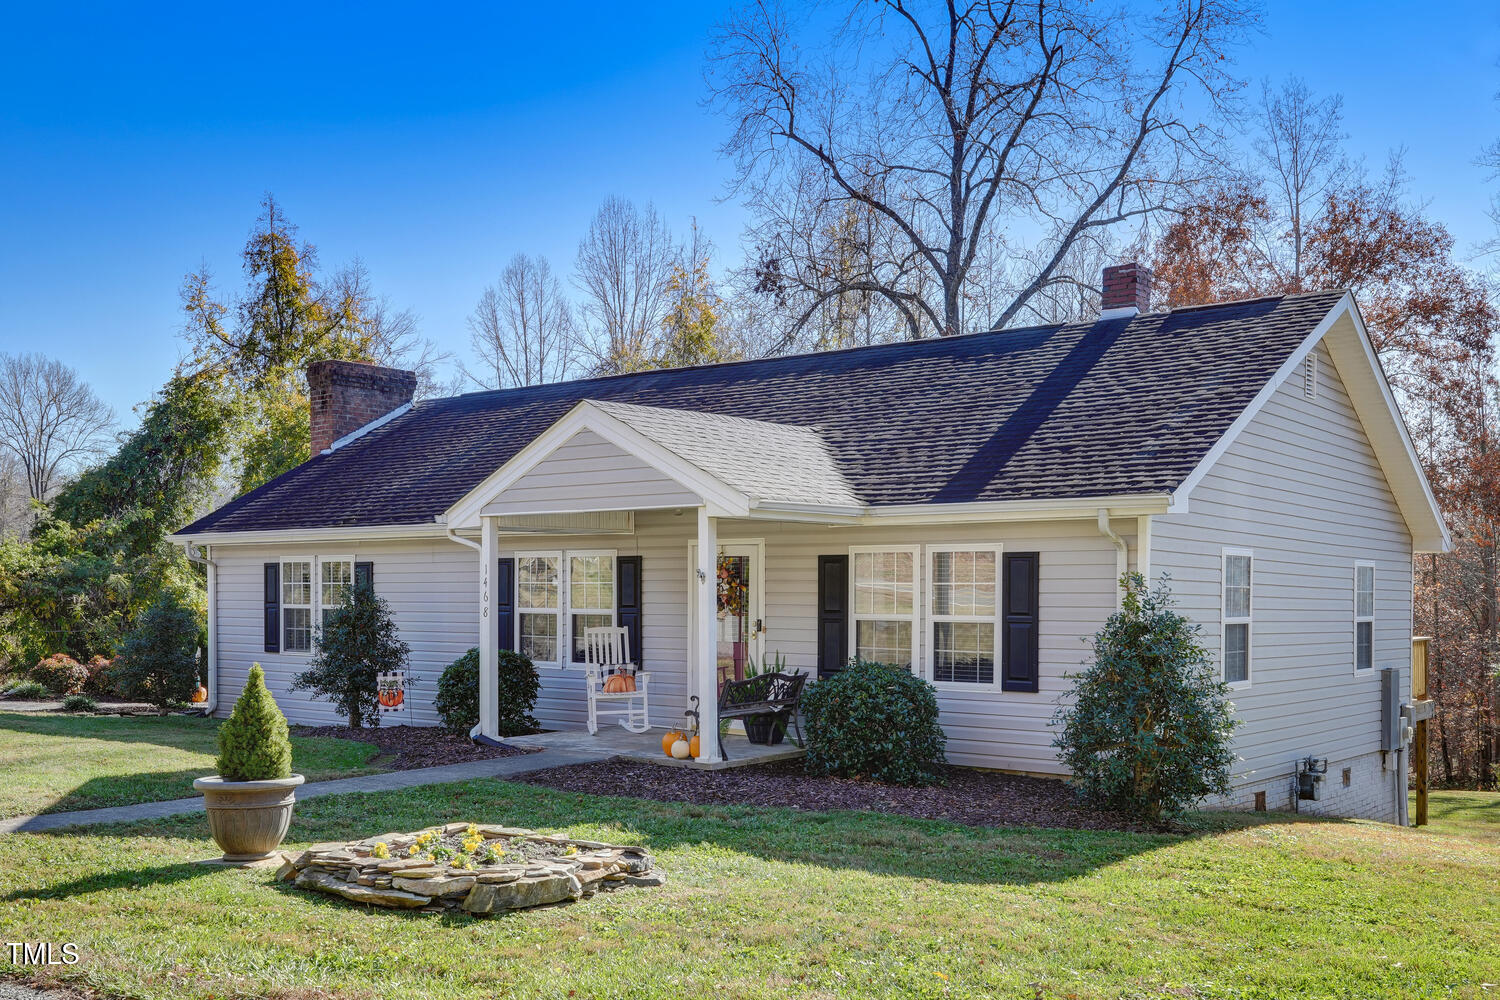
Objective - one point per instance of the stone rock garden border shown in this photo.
(468, 867)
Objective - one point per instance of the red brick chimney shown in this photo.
(344, 396)
(1127, 290)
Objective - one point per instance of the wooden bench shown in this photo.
(765, 694)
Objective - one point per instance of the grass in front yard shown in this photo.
(54, 763)
(785, 903)
(1463, 814)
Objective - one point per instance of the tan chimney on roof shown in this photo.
(344, 396)
(1127, 291)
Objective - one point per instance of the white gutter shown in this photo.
(213, 625)
(1121, 552)
(460, 539)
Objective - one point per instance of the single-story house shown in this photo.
(964, 505)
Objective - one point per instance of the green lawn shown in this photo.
(763, 903)
(1463, 814)
(53, 763)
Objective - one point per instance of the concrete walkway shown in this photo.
(495, 767)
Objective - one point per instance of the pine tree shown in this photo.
(253, 743)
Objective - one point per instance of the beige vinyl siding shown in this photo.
(1301, 488)
(589, 473)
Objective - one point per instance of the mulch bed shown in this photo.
(974, 798)
(404, 748)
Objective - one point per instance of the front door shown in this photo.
(740, 626)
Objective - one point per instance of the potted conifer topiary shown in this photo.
(249, 801)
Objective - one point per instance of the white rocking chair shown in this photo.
(605, 656)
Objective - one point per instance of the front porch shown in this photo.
(646, 747)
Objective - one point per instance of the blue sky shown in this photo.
(137, 140)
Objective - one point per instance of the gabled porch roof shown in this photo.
(663, 458)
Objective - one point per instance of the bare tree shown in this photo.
(1053, 118)
(522, 329)
(15, 503)
(1301, 147)
(624, 266)
(390, 336)
(50, 420)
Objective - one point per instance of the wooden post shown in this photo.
(1419, 743)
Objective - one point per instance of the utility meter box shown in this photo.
(1390, 708)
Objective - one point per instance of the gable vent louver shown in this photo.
(1310, 376)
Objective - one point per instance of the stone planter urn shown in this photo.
(248, 819)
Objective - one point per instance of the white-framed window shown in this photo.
(1364, 616)
(591, 595)
(963, 615)
(539, 606)
(297, 605)
(335, 580)
(1238, 573)
(883, 621)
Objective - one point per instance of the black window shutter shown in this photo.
(505, 603)
(628, 604)
(833, 614)
(364, 574)
(273, 607)
(1022, 668)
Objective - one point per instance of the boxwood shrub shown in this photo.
(458, 693)
(871, 720)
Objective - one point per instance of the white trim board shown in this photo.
(1375, 405)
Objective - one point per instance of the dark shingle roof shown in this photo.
(1109, 408)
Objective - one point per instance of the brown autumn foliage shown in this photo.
(1434, 325)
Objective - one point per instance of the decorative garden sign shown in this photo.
(390, 690)
(477, 869)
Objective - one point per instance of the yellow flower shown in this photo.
(414, 850)
(381, 851)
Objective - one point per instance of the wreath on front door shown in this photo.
(733, 590)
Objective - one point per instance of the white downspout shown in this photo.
(1122, 554)
(475, 732)
(1143, 547)
(213, 624)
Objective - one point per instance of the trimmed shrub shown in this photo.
(518, 687)
(458, 693)
(26, 691)
(100, 682)
(158, 661)
(457, 701)
(871, 720)
(356, 642)
(79, 703)
(253, 742)
(60, 674)
(1147, 729)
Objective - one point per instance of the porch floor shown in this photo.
(615, 739)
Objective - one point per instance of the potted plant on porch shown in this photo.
(249, 802)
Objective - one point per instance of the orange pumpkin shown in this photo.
(629, 680)
(693, 746)
(614, 684)
(669, 739)
(201, 695)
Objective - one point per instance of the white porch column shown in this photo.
(1143, 548)
(489, 661)
(706, 641)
